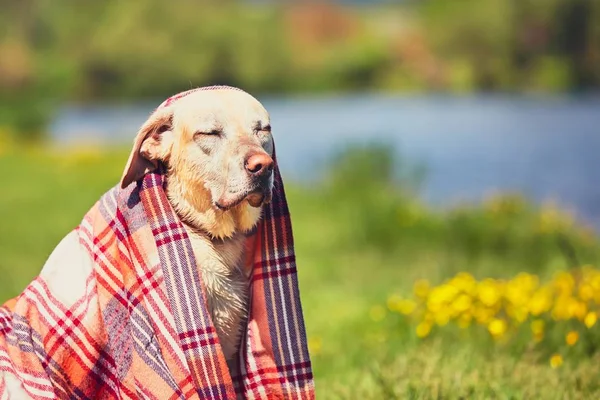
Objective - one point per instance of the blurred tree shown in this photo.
(84, 50)
(574, 39)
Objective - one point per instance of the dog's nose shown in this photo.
(259, 164)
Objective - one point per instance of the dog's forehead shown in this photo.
(221, 103)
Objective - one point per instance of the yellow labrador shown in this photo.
(217, 147)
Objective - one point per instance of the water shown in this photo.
(546, 148)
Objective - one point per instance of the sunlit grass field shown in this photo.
(400, 301)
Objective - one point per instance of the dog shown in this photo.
(217, 147)
(180, 281)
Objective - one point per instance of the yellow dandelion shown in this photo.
(564, 283)
(442, 317)
(440, 297)
(578, 309)
(540, 302)
(519, 289)
(556, 361)
(497, 327)
(489, 292)
(572, 338)
(465, 282)
(590, 319)
(377, 313)
(564, 308)
(516, 294)
(586, 292)
(462, 303)
(423, 329)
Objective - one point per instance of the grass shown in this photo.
(360, 236)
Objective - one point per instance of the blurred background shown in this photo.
(440, 158)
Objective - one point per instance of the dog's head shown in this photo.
(216, 144)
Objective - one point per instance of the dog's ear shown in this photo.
(152, 145)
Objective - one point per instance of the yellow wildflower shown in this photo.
(576, 309)
(465, 282)
(572, 338)
(515, 294)
(519, 289)
(423, 329)
(586, 292)
(462, 303)
(595, 282)
(377, 313)
(497, 327)
(564, 308)
(502, 305)
(489, 292)
(556, 361)
(540, 302)
(590, 319)
(564, 282)
(440, 296)
(442, 317)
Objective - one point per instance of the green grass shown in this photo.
(359, 238)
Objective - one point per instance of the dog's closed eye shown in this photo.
(260, 128)
(163, 128)
(212, 132)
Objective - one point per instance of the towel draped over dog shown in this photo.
(119, 311)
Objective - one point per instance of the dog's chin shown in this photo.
(255, 198)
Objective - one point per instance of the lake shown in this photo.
(545, 148)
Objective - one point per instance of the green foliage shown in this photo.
(374, 193)
(376, 202)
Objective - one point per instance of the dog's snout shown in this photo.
(259, 164)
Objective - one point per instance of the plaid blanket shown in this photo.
(119, 311)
